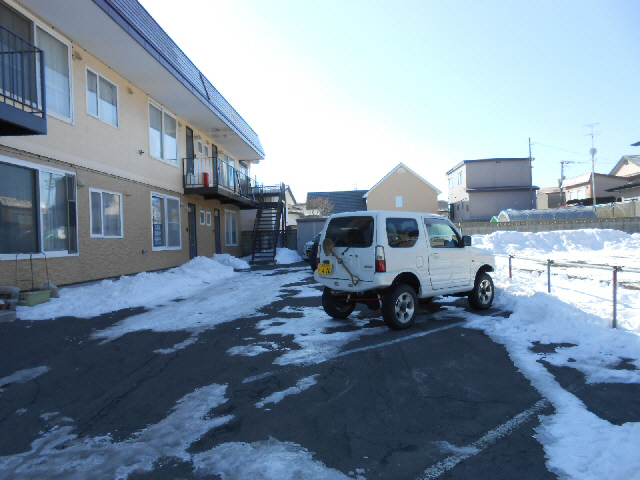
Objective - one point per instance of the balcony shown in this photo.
(22, 102)
(214, 179)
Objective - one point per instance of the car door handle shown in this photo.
(435, 255)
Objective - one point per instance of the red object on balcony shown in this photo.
(205, 179)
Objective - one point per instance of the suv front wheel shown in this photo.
(335, 306)
(481, 297)
(399, 307)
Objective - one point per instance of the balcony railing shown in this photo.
(214, 174)
(22, 92)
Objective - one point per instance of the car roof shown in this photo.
(385, 213)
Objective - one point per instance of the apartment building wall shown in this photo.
(113, 159)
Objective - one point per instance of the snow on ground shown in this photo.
(284, 256)
(577, 313)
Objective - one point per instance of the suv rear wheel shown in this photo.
(335, 306)
(399, 307)
(481, 297)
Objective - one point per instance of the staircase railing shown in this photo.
(269, 221)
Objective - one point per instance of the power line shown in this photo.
(607, 160)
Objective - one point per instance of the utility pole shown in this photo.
(593, 152)
(531, 177)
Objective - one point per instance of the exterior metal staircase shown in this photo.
(269, 222)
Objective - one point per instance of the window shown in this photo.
(442, 234)
(102, 98)
(208, 219)
(398, 202)
(201, 217)
(163, 142)
(38, 210)
(199, 147)
(165, 221)
(106, 214)
(206, 151)
(451, 183)
(402, 232)
(56, 74)
(351, 231)
(231, 228)
(459, 178)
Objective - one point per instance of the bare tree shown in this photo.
(319, 207)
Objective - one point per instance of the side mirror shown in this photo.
(466, 241)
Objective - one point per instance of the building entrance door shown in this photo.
(193, 238)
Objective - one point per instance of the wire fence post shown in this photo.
(615, 296)
(549, 262)
(510, 257)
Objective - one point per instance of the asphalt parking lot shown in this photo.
(436, 401)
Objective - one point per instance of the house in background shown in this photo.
(580, 187)
(117, 155)
(480, 189)
(629, 168)
(550, 197)
(403, 190)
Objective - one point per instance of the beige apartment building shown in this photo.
(117, 155)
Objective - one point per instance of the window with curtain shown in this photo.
(165, 222)
(102, 98)
(163, 135)
(106, 214)
(231, 228)
(56, 73)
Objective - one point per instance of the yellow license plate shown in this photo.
(325, 268)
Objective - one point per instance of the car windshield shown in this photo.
(351, 231)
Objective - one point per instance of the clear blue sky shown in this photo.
(340, 92)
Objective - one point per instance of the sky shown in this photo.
(576, 316)
(340, 92)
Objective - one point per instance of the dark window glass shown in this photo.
(402, 232)
(18, 210)
(355, 232)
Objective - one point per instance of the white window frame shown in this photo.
(164, 156)
(99, 75)
(450, 183)
(230, 216)
(36, 22)
(165, 221)
(43, 169)
(459, 178)
(102, 235)
(208, 218)
(202, 217)
(399, 202)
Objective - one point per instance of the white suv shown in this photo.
(389, 260)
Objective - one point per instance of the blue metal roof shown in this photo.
(133, 17)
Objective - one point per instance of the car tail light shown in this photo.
(381, 264)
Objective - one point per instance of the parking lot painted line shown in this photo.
(487, 440)
(357, 350)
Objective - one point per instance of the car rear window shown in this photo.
(402, 232)
(352, 232)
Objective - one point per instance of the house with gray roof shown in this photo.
(117, 154)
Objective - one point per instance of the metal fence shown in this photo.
(614, 269)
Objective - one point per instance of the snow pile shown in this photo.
(231, 261)
(284, 256)
(148, 289)
(526, 243)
